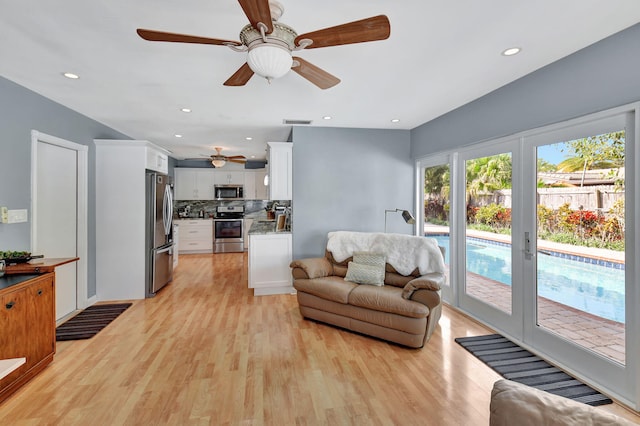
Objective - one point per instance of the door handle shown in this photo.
(527, 246)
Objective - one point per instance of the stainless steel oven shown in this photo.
(228, 229)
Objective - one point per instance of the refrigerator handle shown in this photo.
(164, 250)
(167, 210)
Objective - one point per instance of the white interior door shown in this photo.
(59, 214)
(57, 218)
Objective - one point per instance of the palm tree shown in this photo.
(594, 152)
(488, 174)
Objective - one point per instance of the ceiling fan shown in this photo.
(269, 44)
(218, 160)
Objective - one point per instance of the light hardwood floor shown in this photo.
(205, 351)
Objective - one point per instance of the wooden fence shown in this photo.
(594, 198)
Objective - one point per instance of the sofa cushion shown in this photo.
(386, 299)
(365, 274)
(330, 288)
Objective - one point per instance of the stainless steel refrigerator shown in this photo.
(159, 231)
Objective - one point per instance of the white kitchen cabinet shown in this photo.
(176, 242)
(280, 170)
(157, 160)
(254, 187)
(247, 225)
(196, 236)
(269, 259)
(194, 184)
(261, 188)
(250, 185)
(229, 178)
(120, 188)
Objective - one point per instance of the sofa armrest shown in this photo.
(515, 403)
(433, 281)
(313, 267)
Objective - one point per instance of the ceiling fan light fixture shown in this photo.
(218, 163)
(269, 60)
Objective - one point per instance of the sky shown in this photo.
(551, 153)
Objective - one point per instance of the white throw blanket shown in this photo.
(404, 252)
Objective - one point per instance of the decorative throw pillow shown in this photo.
(369, 258)
(364, 274)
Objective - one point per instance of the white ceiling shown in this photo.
(441, 55)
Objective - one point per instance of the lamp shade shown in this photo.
(269, 61)
(408, 217)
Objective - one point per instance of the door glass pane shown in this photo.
(488, 230)
(580, 242)
(437, 189)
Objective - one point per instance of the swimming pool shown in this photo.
(592, 288)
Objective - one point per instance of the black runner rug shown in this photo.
(515, 363)
(90, 321)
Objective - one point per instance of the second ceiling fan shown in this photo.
(269, 44)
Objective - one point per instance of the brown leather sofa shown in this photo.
(517, 404)
(404, 310)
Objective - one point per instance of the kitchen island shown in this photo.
(270, 253)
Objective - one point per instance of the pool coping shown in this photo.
(590, 255)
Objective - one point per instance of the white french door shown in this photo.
(522, 233)
(488, 280)
(574, 293)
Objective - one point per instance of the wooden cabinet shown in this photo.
(196, 236)
(194, 184)
(229, 178)
(269, 259)
(280, 170)
(254, 187)
(27, 315)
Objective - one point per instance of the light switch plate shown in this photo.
(18, 216)
(4, 215)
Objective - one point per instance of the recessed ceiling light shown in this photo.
(71, 75)
(177, 136)
(253, 156)
(185, 109)
(326, 117)
(395, 120)
(511, 51)
(249, 138)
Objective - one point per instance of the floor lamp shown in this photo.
(408, 218)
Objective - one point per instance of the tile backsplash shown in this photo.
(251, 207)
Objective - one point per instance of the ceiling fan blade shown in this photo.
(237, 157)
(152, 35)
(315, 75)
(369, 29)
(257, 11)
(237, 160)
(240, 77)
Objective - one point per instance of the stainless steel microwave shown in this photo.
(229, 192)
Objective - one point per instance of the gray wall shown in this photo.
(21, 111)
(344, 179)
(603, 75)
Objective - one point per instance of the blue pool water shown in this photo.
(595, 289)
